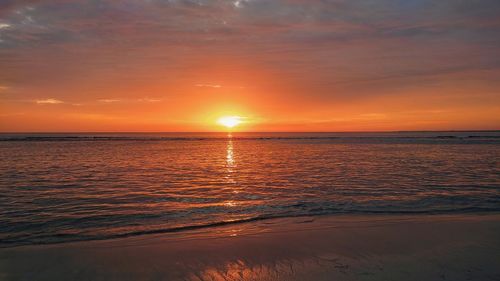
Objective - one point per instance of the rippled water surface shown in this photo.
(60, 187)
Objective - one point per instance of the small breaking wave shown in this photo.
(68, 238)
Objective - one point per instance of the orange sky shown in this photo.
(282, 65)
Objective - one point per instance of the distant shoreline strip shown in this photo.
(99, 138)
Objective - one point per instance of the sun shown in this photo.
(230, 121)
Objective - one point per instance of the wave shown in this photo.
(68, 238)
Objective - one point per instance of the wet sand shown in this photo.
(345, 247)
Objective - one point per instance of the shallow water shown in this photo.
(68, 187)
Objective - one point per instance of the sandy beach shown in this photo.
(344, 247)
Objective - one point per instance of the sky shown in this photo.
(280, 65)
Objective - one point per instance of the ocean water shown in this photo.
(70, 187)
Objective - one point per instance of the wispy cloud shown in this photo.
(129, 100)
(148, 100)
(49, 101)
(93, 116)
(109, 100)
(12, 114)
(209, 85)
(239, 3)
(371, 116)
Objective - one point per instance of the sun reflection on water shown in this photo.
(230, 161)
(230, 165)
(230, 204)
(229, 155)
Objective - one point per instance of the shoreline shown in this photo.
(258, 221)
(345, 247)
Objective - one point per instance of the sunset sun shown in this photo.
(229, 121)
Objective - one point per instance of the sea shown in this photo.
(64, 187)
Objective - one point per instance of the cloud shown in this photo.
(372, 116)
(12, 114)
(108, 100)
(93, 116)
(148, 100)
(129, 100)
(209, 85)
(49, 101)
(240, 3)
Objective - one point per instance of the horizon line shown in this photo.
(235, 132)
